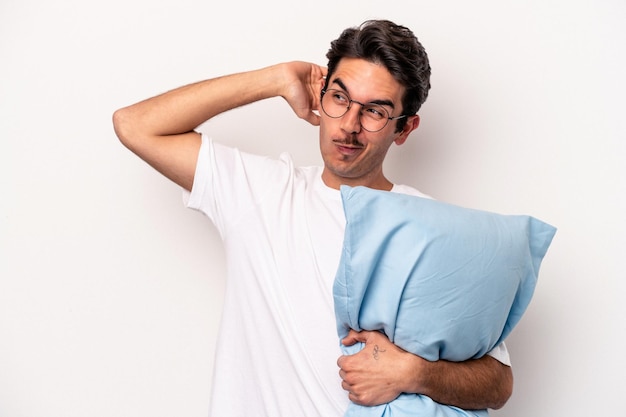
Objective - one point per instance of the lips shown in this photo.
(348, 148)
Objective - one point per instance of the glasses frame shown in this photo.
(350, 101)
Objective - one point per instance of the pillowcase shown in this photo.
(441, 281)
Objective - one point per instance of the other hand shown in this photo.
(303, 85)
(378, 373)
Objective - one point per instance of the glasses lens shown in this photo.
(374, 117)
(336, 103)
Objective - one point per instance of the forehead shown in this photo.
(365, 80)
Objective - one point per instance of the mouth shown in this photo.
(348, 148)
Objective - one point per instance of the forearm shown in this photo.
(381, 371)
(474, 384)
(183, 109)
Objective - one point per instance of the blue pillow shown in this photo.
(441, 281)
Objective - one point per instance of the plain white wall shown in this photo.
(110, 291)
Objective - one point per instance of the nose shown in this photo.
(351, 121)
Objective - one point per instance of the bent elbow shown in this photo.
(505, 389)
(122, 126)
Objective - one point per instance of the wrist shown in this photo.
(417, 371)
(285, 78)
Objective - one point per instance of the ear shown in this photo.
(411, 124)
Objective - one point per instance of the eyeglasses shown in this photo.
(373, 117)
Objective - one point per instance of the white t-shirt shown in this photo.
(282, 228)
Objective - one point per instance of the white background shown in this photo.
(110, 291)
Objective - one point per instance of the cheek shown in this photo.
(325, 133)
(324, 140)
(325, 126)
(378, 151)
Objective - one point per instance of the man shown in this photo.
(282, 228)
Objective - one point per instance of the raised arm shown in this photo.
(382, 371)
(160, 130)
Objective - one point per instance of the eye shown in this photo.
(340, 98)
(375, 111)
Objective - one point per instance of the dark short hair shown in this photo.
(393, 46)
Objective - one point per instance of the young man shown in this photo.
(282, 228)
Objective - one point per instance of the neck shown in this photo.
(379, 183)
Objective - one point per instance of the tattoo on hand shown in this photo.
(377, 350)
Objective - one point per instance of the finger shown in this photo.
(349, 340)
(340, 362)
(313, 118)
(362, 336)
(352, 338)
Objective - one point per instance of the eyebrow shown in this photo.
(340, 83)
